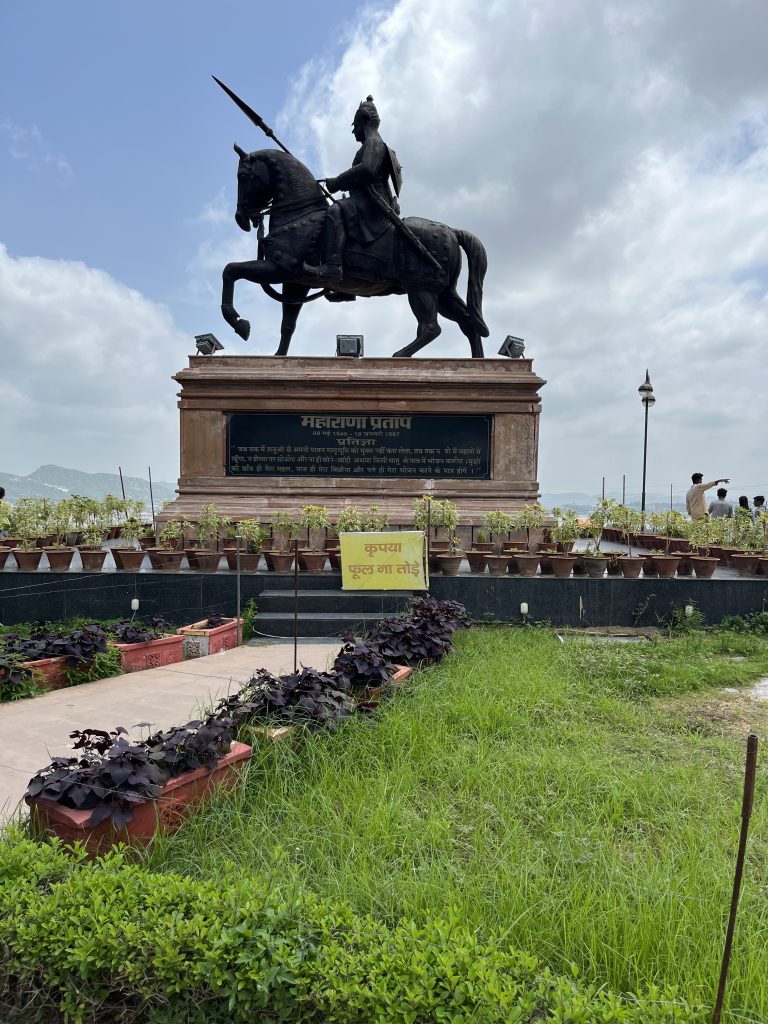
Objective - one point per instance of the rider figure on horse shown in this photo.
(372, 203)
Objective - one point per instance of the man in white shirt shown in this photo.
(695, 501)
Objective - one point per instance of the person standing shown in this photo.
(721, 509)
(758, 503)
(695, 501)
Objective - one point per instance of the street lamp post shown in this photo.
(646, 397)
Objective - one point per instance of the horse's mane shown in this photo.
(289, 174)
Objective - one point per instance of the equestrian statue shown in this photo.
(354, 246)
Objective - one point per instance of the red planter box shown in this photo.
(50, 673)
(164, 814)
(200, 641)
(167, 650)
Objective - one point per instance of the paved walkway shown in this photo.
(34, 730)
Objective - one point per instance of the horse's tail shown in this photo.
(477, 261)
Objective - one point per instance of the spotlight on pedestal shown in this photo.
(207, 344)
(512, 348)
(349, 345)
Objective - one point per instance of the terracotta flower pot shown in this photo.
(684, 566)
(449, 564)
(92, 558)
(595, 567)
(762, 565)
(484, 546)
(334, 558)
(579, 568)
(666, 565)
(168, 561)
(59, 559)
(527, 563)
(164, 814)
(4, 553)
(745, 562)
(704, 567)
(199, 640)
(128, 559)
(631, 566)
(207, 561)
(28, 559)
(649, 566)
(545, 564)
(314, 561)
(166, 650)
(476, 559)
(249, 560)
(613, 565)
(497, 564)
(372, 696)
(562, 565)
(279, 561)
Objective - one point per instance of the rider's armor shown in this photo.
(368, 182)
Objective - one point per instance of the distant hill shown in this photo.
(56, 482)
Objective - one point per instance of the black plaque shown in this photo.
(359, 445)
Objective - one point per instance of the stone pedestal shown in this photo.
(341, 394)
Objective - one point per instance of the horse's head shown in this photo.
(254, 188)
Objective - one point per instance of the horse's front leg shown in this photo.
(252, 270)
(293, 297)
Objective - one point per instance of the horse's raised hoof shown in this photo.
(243, 329)
(403, 353)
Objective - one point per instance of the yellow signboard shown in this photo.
(383, 561)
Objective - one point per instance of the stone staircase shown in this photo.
(324, 611)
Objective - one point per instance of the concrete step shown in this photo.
(348, 602)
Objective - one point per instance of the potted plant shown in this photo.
(206, 556)
(315, 520)
(563, 532)
(252, 535)
(702, 532)
(280, 558)
(212, 635)
(58, 552)
(449, 561)
(146, 645)
(665, 563)
(374, 520)
(530, 517)
(26, 522)
(92, 550)
(748, 539)
(498, 524)
(168, 555)
(129, 556)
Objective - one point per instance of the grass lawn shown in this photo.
(581, 797)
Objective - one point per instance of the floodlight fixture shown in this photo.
(512, 348)
(350, 345)
(207, 344)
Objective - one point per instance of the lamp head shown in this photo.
(349, 345)
(207, 344)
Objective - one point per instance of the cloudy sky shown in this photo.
(612, 156)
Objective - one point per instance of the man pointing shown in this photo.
(695, 502)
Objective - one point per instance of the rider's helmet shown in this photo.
(367, 113)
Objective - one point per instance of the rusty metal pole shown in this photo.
(746, 812)
(295, 605)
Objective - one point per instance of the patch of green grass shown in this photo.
(537, 789)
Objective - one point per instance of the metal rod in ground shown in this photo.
(670, 497)
(623, 488)
(603, 493)
(238, 627)
(151, 497)
(295, 606)
(122, 485)
(746, 812)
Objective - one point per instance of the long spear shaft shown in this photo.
(259, 121)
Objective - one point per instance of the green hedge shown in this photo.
(110, 941)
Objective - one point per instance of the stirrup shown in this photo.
(331, 271)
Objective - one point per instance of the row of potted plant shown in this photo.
(115, 789)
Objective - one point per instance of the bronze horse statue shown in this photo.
(275, 183)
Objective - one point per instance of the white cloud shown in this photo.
(87, 366)
(28, 145)
(613, 157)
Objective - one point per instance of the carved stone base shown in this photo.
(376, 390)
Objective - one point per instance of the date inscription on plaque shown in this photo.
(359, 445)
